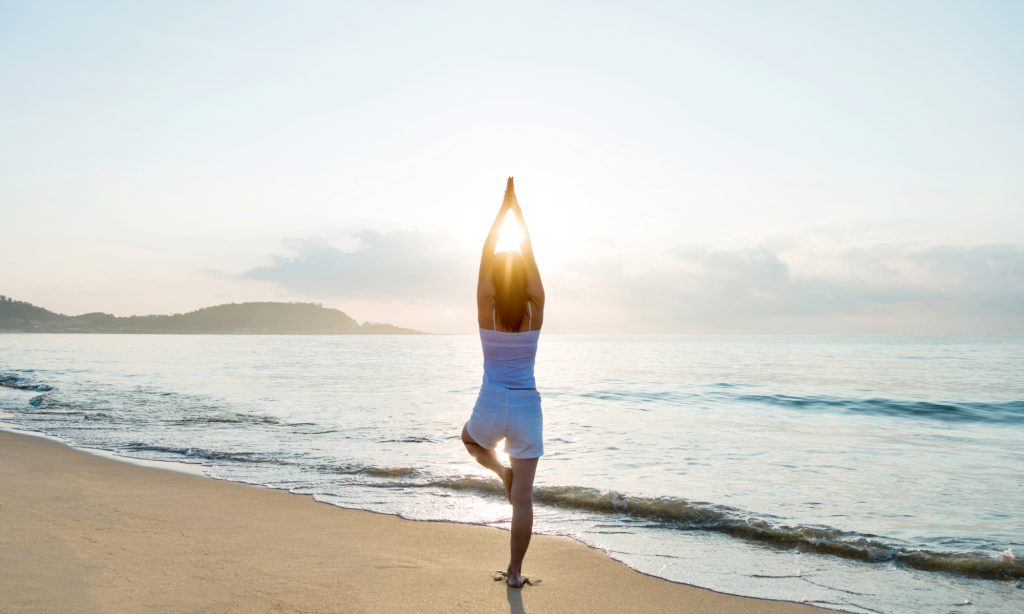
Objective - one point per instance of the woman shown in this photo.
(510, 311)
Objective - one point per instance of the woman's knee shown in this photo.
(521, 496)
(523, 472)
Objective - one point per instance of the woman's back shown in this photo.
(509, 358)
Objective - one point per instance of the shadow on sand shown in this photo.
(515, 600)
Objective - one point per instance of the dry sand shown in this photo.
(82, 533)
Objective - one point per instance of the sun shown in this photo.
(509, 235)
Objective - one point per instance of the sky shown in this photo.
(726, 168)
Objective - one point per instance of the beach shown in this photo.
(735, 295)
(662, 454)
(83, 533)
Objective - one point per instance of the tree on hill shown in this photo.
(11, 309)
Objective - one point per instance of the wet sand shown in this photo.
(84, 533)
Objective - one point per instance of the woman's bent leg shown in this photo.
(523, 470)
(489, 459)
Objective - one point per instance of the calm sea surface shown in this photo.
(859, 473)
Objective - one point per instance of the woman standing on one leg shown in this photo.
(510, 310)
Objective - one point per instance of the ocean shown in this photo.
(867, 474)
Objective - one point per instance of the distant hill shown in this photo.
(235, 318)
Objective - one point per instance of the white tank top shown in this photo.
(509, 357)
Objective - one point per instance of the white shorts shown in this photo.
(512, 414)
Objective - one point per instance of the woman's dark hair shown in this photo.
(509, 276)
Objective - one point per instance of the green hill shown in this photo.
(234, 318)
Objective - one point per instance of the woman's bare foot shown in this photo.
(506, 479)
(515, 579)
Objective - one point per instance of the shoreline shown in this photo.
(124, 536)
(166, 465)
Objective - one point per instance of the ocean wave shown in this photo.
(410, 439)
(54, 405)
(664, 397)
(18, 382)
(951, 411)
(45, 401)
(390, 472)
(223, 419)
(207, 455)
(201, 454)
(370, 470)
(1002, 412)
(688, 515)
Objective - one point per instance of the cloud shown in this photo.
(407, 264)
(804, 285)
(871, 288)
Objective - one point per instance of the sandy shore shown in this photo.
(82, 533)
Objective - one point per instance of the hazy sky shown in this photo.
(793, 167)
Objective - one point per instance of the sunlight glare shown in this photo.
(499, 450)
(509, 235)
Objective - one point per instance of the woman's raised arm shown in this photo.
(485, 283)
(534, 286)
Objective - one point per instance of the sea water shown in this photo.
(868, 474)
